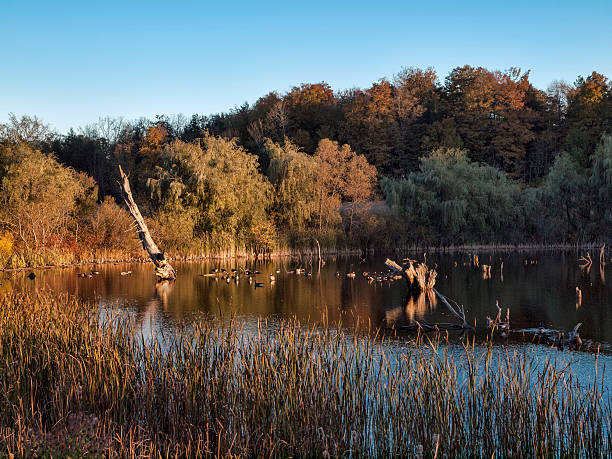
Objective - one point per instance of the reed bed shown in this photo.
(75, 382)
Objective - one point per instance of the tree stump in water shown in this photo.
(163, 269)
(420, 278)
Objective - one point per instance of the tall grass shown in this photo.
(77, 382)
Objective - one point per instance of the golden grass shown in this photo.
(75, 382)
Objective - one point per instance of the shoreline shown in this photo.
(313, 253)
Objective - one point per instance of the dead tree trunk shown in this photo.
(163, 269)
(420, 278)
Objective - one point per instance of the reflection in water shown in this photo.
(162, 290)
(418, 305)
(158, 301)
(540, 290)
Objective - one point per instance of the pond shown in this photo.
(539, 288)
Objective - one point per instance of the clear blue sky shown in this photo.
(70, 62)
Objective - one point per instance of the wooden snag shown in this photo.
(163, 269)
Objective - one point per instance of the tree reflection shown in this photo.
(417, 306)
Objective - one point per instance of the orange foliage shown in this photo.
(155, 137)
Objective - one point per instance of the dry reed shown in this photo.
(75, 382)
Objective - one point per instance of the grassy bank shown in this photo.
(74, 383)
(84, 258)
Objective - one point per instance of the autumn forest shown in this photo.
(475, 157)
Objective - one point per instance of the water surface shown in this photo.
(539, 288)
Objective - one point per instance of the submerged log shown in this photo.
(557, 338)
(163, 269)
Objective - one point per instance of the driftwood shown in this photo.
(587, 262)
(420, 278)
(497, 324)
(558, 338)
(457, 311)
(163, 269)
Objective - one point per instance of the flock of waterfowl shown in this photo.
(88, 275)
(235, 275)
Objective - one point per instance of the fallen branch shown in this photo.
(458, 312)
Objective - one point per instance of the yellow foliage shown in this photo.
(6, 247)
(263, 237)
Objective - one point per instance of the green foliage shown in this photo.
(173, 228)
(454, 200)
(294, 177)
(41, 200)
(200, 181)
(600, 186)
(216, 183)
(562, 190)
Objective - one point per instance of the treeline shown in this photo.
(500, 118)
(204, 197)
(483, 157)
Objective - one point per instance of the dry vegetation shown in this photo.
(76, 384)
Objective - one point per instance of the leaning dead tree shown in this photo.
(163, 269)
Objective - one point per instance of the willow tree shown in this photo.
(217, 183)
(454, 200)
(41, 201)
(293, 174)
(600, 182)
(563, 192)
